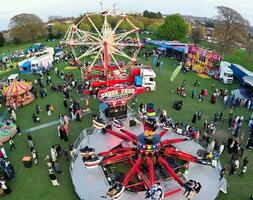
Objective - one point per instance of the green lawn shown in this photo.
(13, 47)
(242, 58)
(34, 183)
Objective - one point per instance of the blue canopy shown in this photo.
(170, 45)
(25, 67)
(26, 64)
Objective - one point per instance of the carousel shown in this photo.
(18, 92)
(7, 130)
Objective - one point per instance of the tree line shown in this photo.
(230, 28)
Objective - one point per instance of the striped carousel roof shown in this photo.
(17, 88)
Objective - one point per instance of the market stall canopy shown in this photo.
(174, 45)
(17, 88)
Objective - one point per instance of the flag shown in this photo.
(175, 73)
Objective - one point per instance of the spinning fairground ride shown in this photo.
(141, 161)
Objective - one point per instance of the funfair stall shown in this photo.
(18, 92)
(202, 60)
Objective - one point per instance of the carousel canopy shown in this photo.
(17, 88)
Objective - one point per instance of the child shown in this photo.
(12, 145)
(243, 171)
(53, 179)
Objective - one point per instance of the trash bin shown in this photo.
(27, 161)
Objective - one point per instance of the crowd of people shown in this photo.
(7, 172)
(205, 136)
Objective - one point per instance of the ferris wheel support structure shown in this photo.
(107, 45)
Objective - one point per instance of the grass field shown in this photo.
(23, 46)
(34, 183)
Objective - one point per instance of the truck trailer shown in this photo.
(36, 64)
(240, 73)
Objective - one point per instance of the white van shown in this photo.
(148, 79)
(225, 73)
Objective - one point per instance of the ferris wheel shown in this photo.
(104, 47)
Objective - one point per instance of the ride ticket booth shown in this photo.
(118, 111)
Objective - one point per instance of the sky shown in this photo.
(66, 8)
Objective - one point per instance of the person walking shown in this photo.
(245, 161)
(35, 156)
(12, 145)
(18, 130)
(30, 143)
(222, 173)
(53, 153)
(4, 186)
(222, 148)
(3, 152)
(243, 170)
(57, 168)
(13, 115)
(194, 118)
(72, 151)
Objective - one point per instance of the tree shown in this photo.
(209, 24)
(84, 27)
(249, 48)
(125, 25)
(59, 29)
(27, 27)
(174, 28)
(154, 15)
(97, 20)
(154, 26)
(230, 29)
(2, 39)
(197, 34)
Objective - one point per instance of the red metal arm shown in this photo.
(170, 170)
(185, 156)
(121, 136)
(132, 171)
(118, 158)
(129, 134)
(113, 152)
(181, 155)
(163, 133)
(173, 141)
(151, 171)
(143, 177)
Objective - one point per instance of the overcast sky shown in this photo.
(45, 8)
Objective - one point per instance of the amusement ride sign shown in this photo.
(120, 94)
